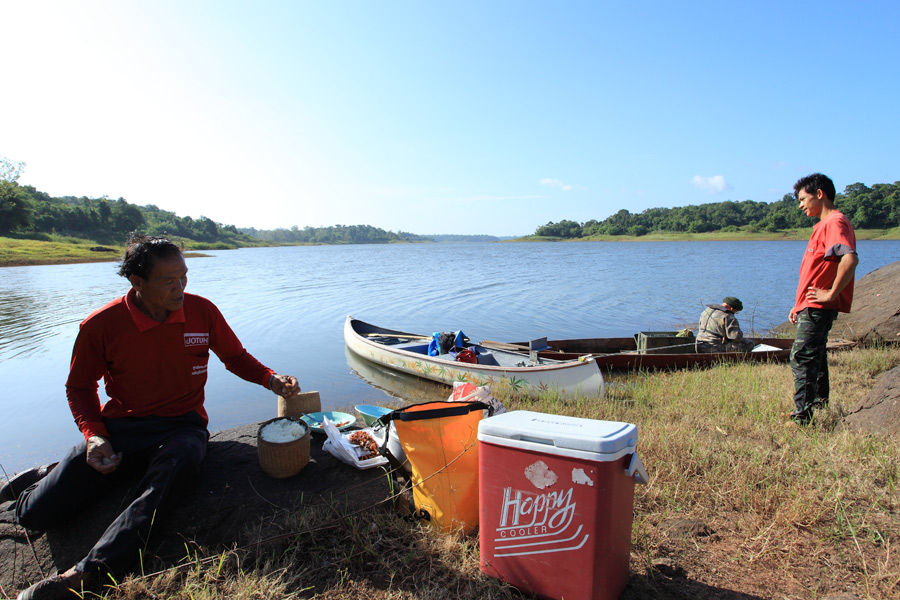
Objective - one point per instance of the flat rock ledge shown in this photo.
(878, 413)
(231, 504)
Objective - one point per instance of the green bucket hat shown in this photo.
(733, 302)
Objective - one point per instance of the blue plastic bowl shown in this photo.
(371, 413)
(341, 420)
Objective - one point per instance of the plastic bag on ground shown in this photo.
(338, 445)
(764, 348)
(463, 391)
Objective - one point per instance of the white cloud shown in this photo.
(556, 183)
(714, 185)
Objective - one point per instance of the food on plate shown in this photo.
(339, 424)
(366, 442)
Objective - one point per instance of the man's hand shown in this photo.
(792, 317)
(818, 295)
(100, 455)
(845, 272)
(284, 385)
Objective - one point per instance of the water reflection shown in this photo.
(404, 388)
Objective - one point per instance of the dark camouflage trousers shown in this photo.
(809, 361)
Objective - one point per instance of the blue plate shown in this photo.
(371, 413)
(341, 420)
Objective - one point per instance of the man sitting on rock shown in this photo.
(151, 347)
(719, 328)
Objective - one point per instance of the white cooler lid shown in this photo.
(558, 434)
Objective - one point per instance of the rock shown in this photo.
(684, 528)
(879, 410)
(101, 249)
(875, 315)
(231, 495)
(667, 567)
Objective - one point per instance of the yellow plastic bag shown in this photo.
(440, 440)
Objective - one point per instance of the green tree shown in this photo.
(104, 212)
(205, 229)
(637, 230)
(126, 217)
(15, 209)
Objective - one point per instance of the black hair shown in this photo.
(143, 251)
(811, 183)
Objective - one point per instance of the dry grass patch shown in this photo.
(798, 512)
(325, 554)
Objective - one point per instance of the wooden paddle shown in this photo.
(524, 348)
(505, 346)
(405, 336)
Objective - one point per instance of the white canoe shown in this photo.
(500, 370)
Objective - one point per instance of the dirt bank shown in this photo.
(233, 502)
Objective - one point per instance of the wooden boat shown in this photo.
(500, 370)
(621, 354)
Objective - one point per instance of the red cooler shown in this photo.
(556, 496)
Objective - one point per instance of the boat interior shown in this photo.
(486, 356)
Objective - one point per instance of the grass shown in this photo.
(55, 249)
(743, 505)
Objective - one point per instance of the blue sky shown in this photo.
(445, 117)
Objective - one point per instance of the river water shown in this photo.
(288, 306)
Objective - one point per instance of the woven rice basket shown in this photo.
(301, 402)
(283, 459)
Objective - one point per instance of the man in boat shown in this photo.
(825, 289)
(151, 347)
(719, 329)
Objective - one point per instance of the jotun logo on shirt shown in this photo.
(196, 339)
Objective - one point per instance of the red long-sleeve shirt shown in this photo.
(151, 368)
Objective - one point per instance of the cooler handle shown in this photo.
(636, 469)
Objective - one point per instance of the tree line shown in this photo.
(28, 211)
(876, 207)
(334, 234)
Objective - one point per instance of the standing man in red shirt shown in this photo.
(825, 288)
(151, 348)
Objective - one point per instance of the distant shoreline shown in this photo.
(791, 235)
(29, 253)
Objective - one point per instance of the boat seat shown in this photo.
(535, 346)
(486, 358)
(417, 347)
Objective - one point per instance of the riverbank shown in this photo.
(59, 250)
(20, 252)
(739, 505)
(719, 236)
